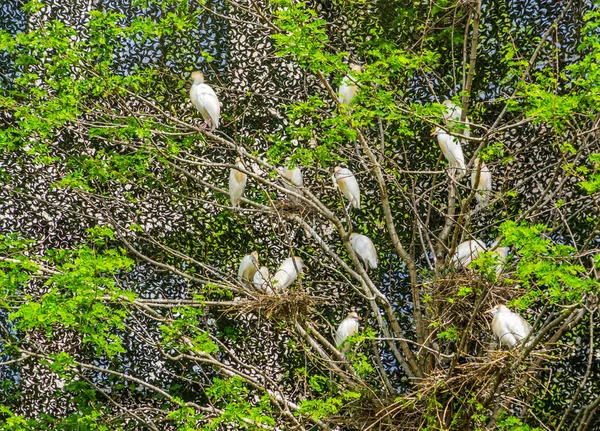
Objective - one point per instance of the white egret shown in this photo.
(484, 185)
(287, 272)
(509, 327)
(451, 149)
(262, 280)
(365, 249)
(248, 267)
(451, 114)
(294, 176)
(466, 252)
(346, 181)
(205, 100)
(237, 184)
(347, 328)
(348, 87)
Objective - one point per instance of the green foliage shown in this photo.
(65, 83)
(585, 73)
(548, 270)
(450, 333)
(186, 325)
(303, 36)
(80, 295)
(486, 263)
(493, 151)
(511, 423)
(185, 418)
(13, 422)
(233, 397)
(318, 383)
(319, 409)
(592, 182)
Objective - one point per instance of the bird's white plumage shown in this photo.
(205, 100)
(509, 327)
(466, 252)
(451, 149)
(346, 181)
(262, 280)
(451, 115)
(287, 273)
(348, 87)
(365, 249)
(347, 328)
(237, 184)
(484, 185)
(248, 267)
(294, 176)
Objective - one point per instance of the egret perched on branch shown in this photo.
(262, 280)
(484, 185)
(345, 180)
(248, 267)
(205, 100)
(348, 87)
(347, 328)
(509, 327)
(451, 149)
(293, 176)
(365, 249)
(237, 183)
(466, 252)
(287, 272)
(451, 114)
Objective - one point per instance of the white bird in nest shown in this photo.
(248, 267)
(348, 87)
(451, 149)
(347, 328)
(466, 252)
(237, 184)
(365, 249)
(287, 273)
(262, 280)
(509, 327)
(483, 187)
(205, 100)
(293, 176)
(451, 114)
(346, 181)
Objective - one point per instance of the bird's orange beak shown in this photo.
(435, 132)
(359, 318)
(491, 310)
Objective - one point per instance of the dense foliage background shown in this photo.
(120, 306)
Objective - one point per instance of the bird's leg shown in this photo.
(207, 124)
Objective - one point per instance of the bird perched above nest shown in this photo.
(509, 327)
(287, 273)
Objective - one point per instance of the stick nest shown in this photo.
(290, 306)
